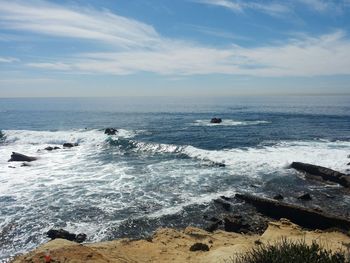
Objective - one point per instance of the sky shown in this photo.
(84, 48)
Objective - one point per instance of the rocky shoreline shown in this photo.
(188, 245)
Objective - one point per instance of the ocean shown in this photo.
(164, 166)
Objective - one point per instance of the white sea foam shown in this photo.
(228, 122)
(278, 157)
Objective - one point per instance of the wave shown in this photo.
(229, 123)
(60, 137)
(264, 158)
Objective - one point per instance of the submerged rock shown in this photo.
(63, 234)
(18, 157)
(111, 131)
(216, 120)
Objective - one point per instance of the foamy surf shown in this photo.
(229, 122)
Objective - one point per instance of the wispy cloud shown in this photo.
(137, 47)
(8, 60)
(278, 8)
(310, 56)
(53, 20)
(271, 8)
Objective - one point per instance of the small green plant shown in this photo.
(291, 252)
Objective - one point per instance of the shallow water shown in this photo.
(161, 167)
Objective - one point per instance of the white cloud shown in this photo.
(138, 47)
(8, 60)
(271, 8)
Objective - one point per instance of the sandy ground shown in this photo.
(169, 245)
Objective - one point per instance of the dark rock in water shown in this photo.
(199, 247)
(302, 216)
(80, 238)
(12, 167)
(61, 233)
(322, 173)
(348, 164)
(278, 197)
(111, 131)
(215, 120)
(25, 165)
(18, 157)
(70, 145)
(56, 148)
(305, 197)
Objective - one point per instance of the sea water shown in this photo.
(163, 166)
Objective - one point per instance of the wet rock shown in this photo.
(322, 173)
(278, 197)
(111, 131)
(18, 157)
(70, 145)
(348, 164)
(61, 233)
(25, 165)
(199, 247)
(216, 120)
(305, 197)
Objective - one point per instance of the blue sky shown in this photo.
(173, 47)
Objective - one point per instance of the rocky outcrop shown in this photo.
(300, 215)
(170, 245)
(18, 157)
(111, 131)
(322, 173)
(63, 234)
(216, 120)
